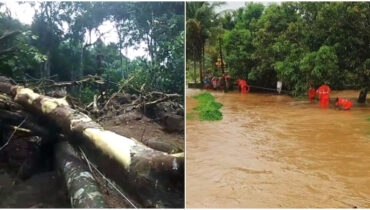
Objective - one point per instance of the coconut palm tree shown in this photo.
(201, 19)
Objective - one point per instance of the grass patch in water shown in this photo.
(190, 116)
(208, 108)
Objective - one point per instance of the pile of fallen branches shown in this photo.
(43, 83)
(121, 101)
(156, 105)
(151, 177)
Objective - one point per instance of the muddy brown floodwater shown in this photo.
(274, 151)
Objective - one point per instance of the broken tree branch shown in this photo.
(115, 94)
(9, 35)
(11, 136)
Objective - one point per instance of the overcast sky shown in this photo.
(25, 12)
(234, 5)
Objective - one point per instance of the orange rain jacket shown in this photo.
(324, 91)
(344, 103)
(244, 87)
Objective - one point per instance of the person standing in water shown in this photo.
(214, 82)
(206, 84)
(243, 86)
(324, 91)
(311, 93)
(279, 86)
(227, 81)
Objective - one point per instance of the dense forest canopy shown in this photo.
(295, 42)
(60, 41)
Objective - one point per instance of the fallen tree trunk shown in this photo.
(81, 185)
(156, 178)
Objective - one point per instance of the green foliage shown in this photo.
(238, 47)
(322, 66)
(296, 42)
(22, 56)
(202, 26)
(208, 108)
(58, 42)
(87, 94)
(247, 17)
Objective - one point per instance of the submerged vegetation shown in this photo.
(295, 42)
(208, 109)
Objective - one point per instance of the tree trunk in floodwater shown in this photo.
(81, 185)
(155, 178)
(362, 95)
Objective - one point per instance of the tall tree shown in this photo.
(202, 18)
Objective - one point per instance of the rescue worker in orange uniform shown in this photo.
(343, 103)
(324, 91)
(243, 85)
(311, 93)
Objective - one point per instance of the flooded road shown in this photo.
(273, 151)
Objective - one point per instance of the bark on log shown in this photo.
(81, 185)
(161, 146)
(156, 178)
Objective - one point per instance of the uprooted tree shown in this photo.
(154, 178)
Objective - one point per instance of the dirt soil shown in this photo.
(111, 197)
(142, 129)
(42, 190)
(27, 179)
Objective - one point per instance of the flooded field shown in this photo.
(273, 151)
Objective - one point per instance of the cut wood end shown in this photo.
(115, 145)
(49, 104)
(179, 155)
(20, 91)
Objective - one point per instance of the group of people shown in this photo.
(323, 91)
(218, 83)
(324, 96)
(223, 82)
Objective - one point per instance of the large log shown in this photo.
(81, 185)
(156, 178)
